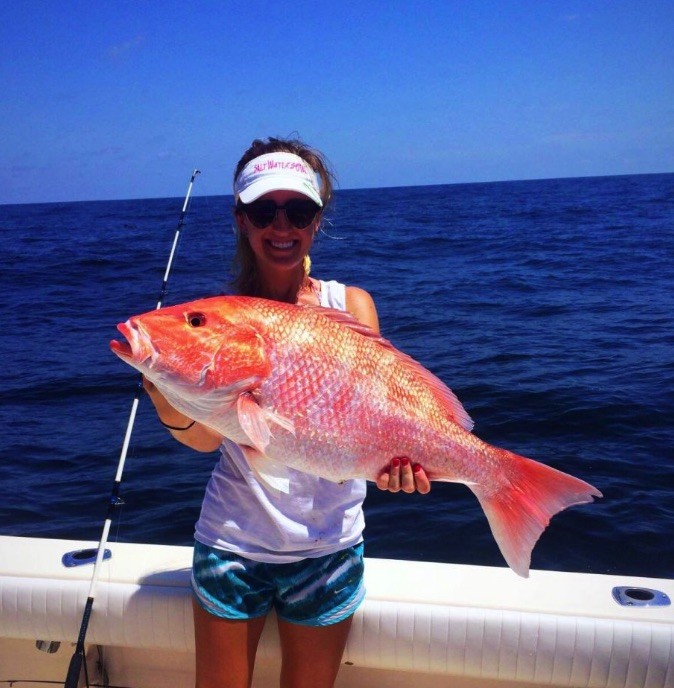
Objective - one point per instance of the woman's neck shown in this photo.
(287, 288)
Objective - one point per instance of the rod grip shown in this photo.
(75, 666)
(74, 670)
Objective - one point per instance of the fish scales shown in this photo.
(337, 393)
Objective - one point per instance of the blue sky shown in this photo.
(115, 99)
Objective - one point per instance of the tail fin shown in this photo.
(521, 507)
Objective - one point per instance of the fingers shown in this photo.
(147, 385)
(402, 475)
(423, 484)
(389, 479)
(406, 476)
(384, 479)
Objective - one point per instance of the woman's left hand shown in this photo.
(402, 475)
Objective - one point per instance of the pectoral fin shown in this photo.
(255, 420)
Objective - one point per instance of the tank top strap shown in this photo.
(333, 295)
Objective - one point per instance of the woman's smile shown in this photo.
(282, 245)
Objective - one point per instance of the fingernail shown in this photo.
(406, 462)
(417, 467)
(395, 463)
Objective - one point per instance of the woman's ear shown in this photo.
(239, 226)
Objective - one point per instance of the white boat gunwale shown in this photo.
(427, 620)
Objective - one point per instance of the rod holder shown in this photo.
(80, 557)
(633, 596)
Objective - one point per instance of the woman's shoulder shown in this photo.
(361, 305)
(357, 295)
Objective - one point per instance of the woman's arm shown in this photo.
(182, 428)
(361, 305)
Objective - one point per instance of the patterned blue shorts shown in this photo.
(311, 592)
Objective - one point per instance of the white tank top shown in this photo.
(317, 517)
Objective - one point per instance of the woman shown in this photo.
(301, 553)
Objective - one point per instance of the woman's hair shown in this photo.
(244, 266)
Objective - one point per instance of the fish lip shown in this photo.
(122, 349)
(138, 346)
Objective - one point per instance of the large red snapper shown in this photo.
(313, 389)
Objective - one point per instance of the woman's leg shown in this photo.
(311, 655)
(225, 649)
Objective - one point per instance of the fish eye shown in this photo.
(196, 319)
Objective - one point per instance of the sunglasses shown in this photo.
(300, 212)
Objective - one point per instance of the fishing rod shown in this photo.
(77, 660)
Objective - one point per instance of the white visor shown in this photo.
(276, 172)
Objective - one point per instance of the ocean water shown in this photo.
(547, 306)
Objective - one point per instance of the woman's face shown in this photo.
(279, 245)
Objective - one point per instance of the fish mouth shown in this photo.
(138, 348)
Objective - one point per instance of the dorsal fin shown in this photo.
(454, 407)
(345, 318)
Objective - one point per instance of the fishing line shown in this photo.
(322, 230)
(77, 660)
